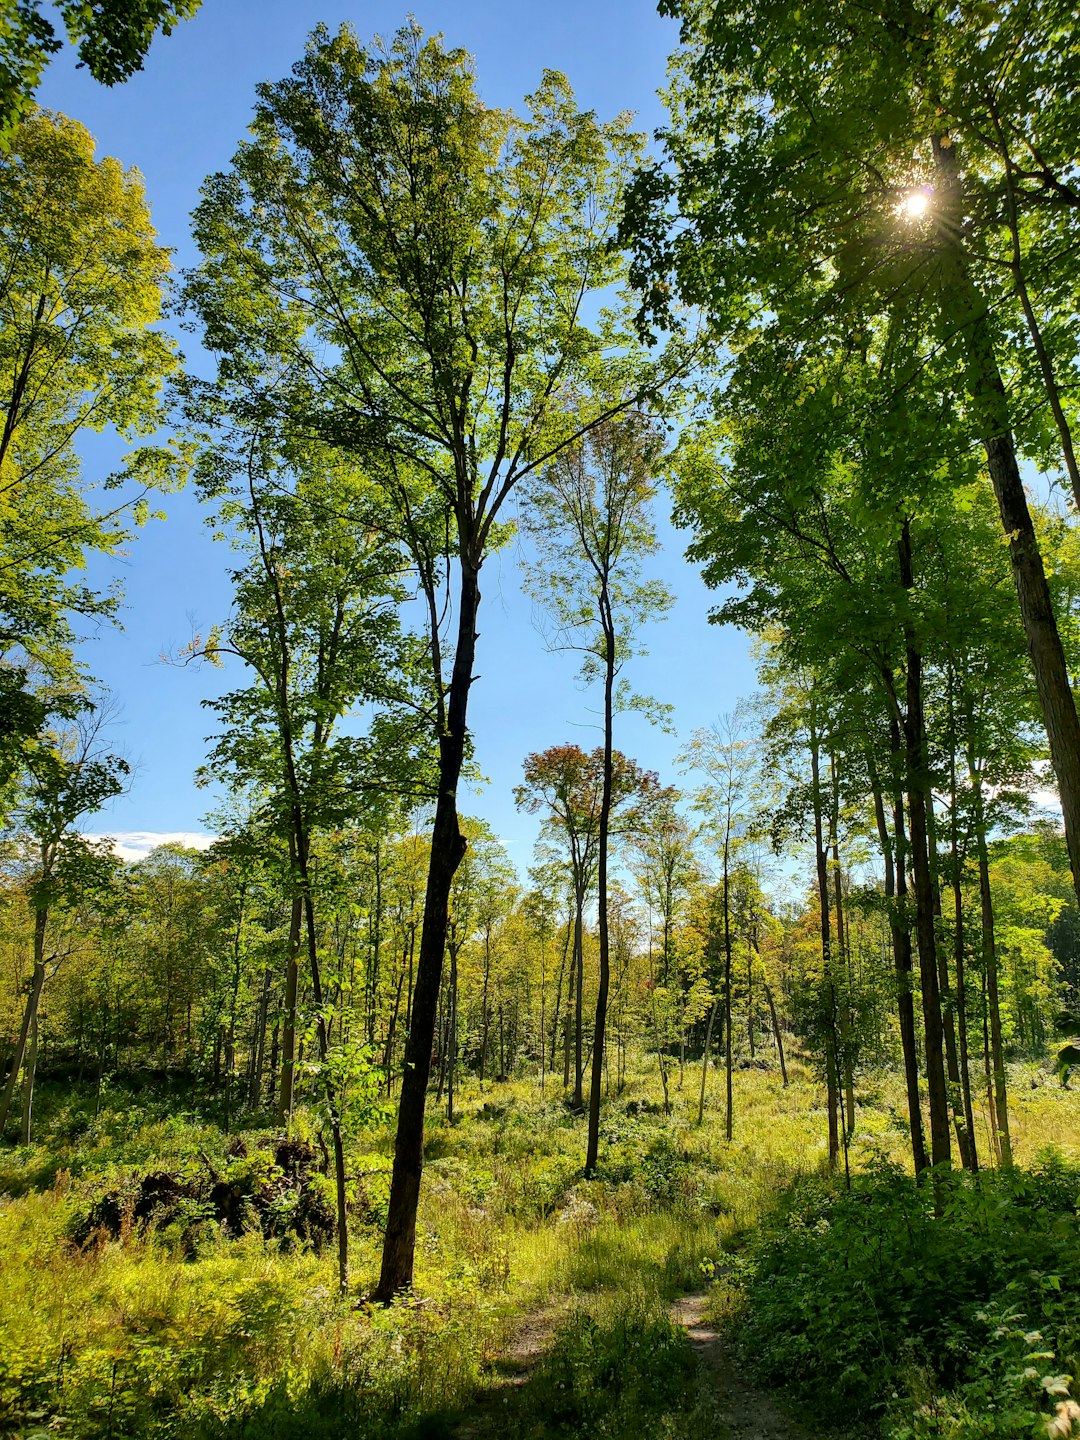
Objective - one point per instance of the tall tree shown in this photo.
(906, 185)
(316, 624)
(590, 508)
(409, 271)
(67, 783)
(728, 755)
(81, 280)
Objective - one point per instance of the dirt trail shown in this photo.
(747, 1412)
(513, 1369)
(744, 1412)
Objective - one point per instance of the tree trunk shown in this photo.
(900, 934)
(964, 1137)
(822, 862)
(259, 1048)
(448, 847)
(600, 1028)
(776, 1031)
(962, 301)
(917, 787)
(451, 1078)
(705, 1058)
(990, 970)
(579, 972)
(729, 1117)
(29, 1020)
(28, 1083)
(288, 1020)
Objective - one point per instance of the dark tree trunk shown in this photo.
(917, 787)
(705, 1058)
(990, 970)
(964, 1137)
(822, 863)
(28, 1083)
(776, 1031)
(29, 1020)
(900, 934)
(288, 1019)
(600, 1027)
(448, 847)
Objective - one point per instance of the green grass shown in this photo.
(135, 1338)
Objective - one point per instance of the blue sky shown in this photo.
(178, 121)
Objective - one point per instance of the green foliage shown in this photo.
(111, 40)
(619, 1379)
(81, 289)
(849, 1294)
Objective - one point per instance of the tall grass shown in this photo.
(148, 1336)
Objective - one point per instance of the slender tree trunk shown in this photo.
(846, 1023)
(376, 948)
(776, 1031)
(259, 1048)
(448, 847)
(917, 787)
(451, 1082)
(900, 934)
(28, 1083)
(603, 829)
(959, 956)
(729, 1115)
(964, 1139)
(288, 1019)
(322, 1032)
(822, 862)
(990, 970)
(988, 1071)
(29, 1020)
(566, 948)
(705, 1058)
(967, 307)
(579, 991)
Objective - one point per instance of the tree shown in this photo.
(68, 782)
(111, 40)
(407, 271)
(81, 281)
(904, 187)
(316, 624)
(591, 508)
(728, 755)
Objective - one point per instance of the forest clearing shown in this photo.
(169, 1325)
(539, 747)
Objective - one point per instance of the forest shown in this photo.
(748, 1105)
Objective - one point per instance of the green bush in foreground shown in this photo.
(869, 1306)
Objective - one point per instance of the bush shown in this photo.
(613, 1380)
(856, 1297)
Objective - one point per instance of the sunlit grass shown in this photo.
(133, 1337)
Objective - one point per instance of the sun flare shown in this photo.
(915, 204)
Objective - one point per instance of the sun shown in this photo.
(915, 204)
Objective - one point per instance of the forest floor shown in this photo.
(693, 1288)
(740, 1409)
(745, 1411)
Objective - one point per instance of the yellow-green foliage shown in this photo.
(133, 1337)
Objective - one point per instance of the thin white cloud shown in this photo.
(132, 845)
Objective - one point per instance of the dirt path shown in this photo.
(744, 1411)
(513, 1369)
(747, 1412)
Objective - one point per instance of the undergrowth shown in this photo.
(191, 1330)
(944, 1309)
